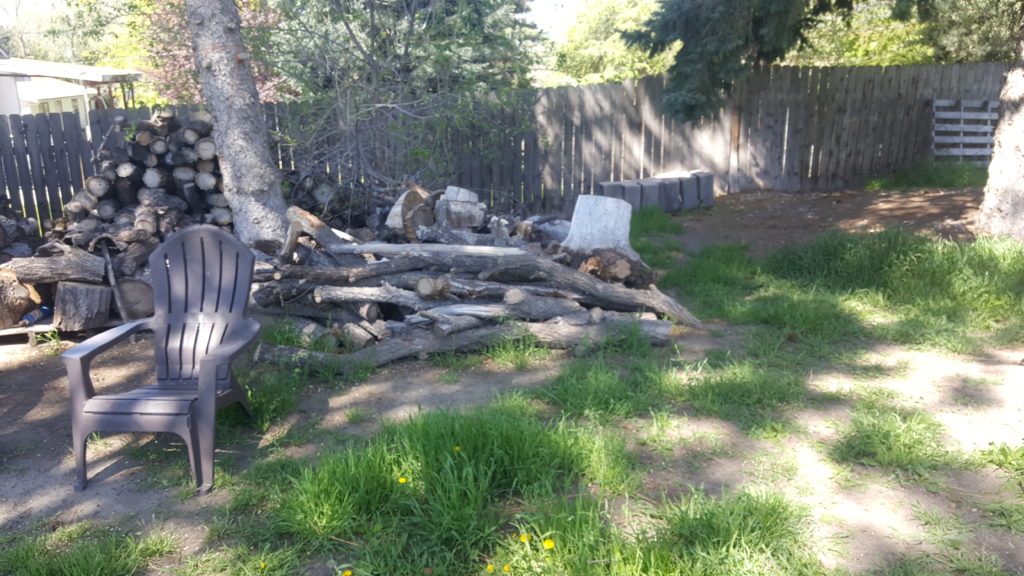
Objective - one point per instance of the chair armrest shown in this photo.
(104, 341)
(78, 358)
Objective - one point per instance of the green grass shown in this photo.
(750, 395)
(892, 285)
(431, 492)
(603, 388)
(884, 434)
(517, 352)
(651, 234)
(82, 549)
(932, 175)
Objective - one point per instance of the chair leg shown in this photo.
(205, 428)
(188, 434)
(78, 439)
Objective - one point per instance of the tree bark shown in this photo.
(252, 181)
(1002, 210)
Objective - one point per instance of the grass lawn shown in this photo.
(612, 467)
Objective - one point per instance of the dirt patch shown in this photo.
(861, 520)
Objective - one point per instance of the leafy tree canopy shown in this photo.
(594, 50)
(725, 39)
(867, 35)
(420, 46)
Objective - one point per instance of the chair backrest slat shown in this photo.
(201, 279)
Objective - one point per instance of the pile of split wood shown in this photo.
(379, 301)
(164, 179)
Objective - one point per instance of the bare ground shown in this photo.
(863, 519)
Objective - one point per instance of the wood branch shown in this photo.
(106, 209)
(97, 186)
(301, 221)
(425, 250)
(135, 256)
(385, 293)
(183, 174)
(85, 199)
(158, 146)
(445, 324)
(516, 304)
(594, 292)
(440, 235)
(73, 264)
(335, 315)
(205, 166)
(206, 181)
(15, 299)
(127, 191)
(146, 219)
(156, 178)
(559, 336)
(206, 149)
(348, 275)
(221, 216)
(280, 292)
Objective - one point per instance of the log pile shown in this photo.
(164, 179)
(377, 302)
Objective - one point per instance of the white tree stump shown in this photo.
(600, 222)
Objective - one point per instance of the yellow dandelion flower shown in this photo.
(506, 568)
(458, 448)
(402, 479)
(490, 568)
(525, 537)
(263, 565)
(549, 544)
(346, 573)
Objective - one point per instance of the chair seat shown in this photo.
(147, 400)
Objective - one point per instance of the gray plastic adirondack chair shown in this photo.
(201, 279)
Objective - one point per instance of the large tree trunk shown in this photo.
(1002, 210)
(252, 182)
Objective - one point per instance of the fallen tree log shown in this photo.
(73, 264)
(593, 292)
(385, 293)
(350, 274)
(552, 335)
(516, 304)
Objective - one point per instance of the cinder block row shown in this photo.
(684, 191)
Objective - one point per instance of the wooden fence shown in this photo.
(786, 128)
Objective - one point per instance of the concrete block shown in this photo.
(610, 189)
(650, 192)
(706, 188)
(690, 192)
(631, 192)
(671, 200)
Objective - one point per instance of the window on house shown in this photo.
(59, 105)
(44, 107)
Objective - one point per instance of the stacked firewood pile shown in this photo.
(377, 302)
(165, 178)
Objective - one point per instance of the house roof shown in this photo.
(65, 71)
(38, 89)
